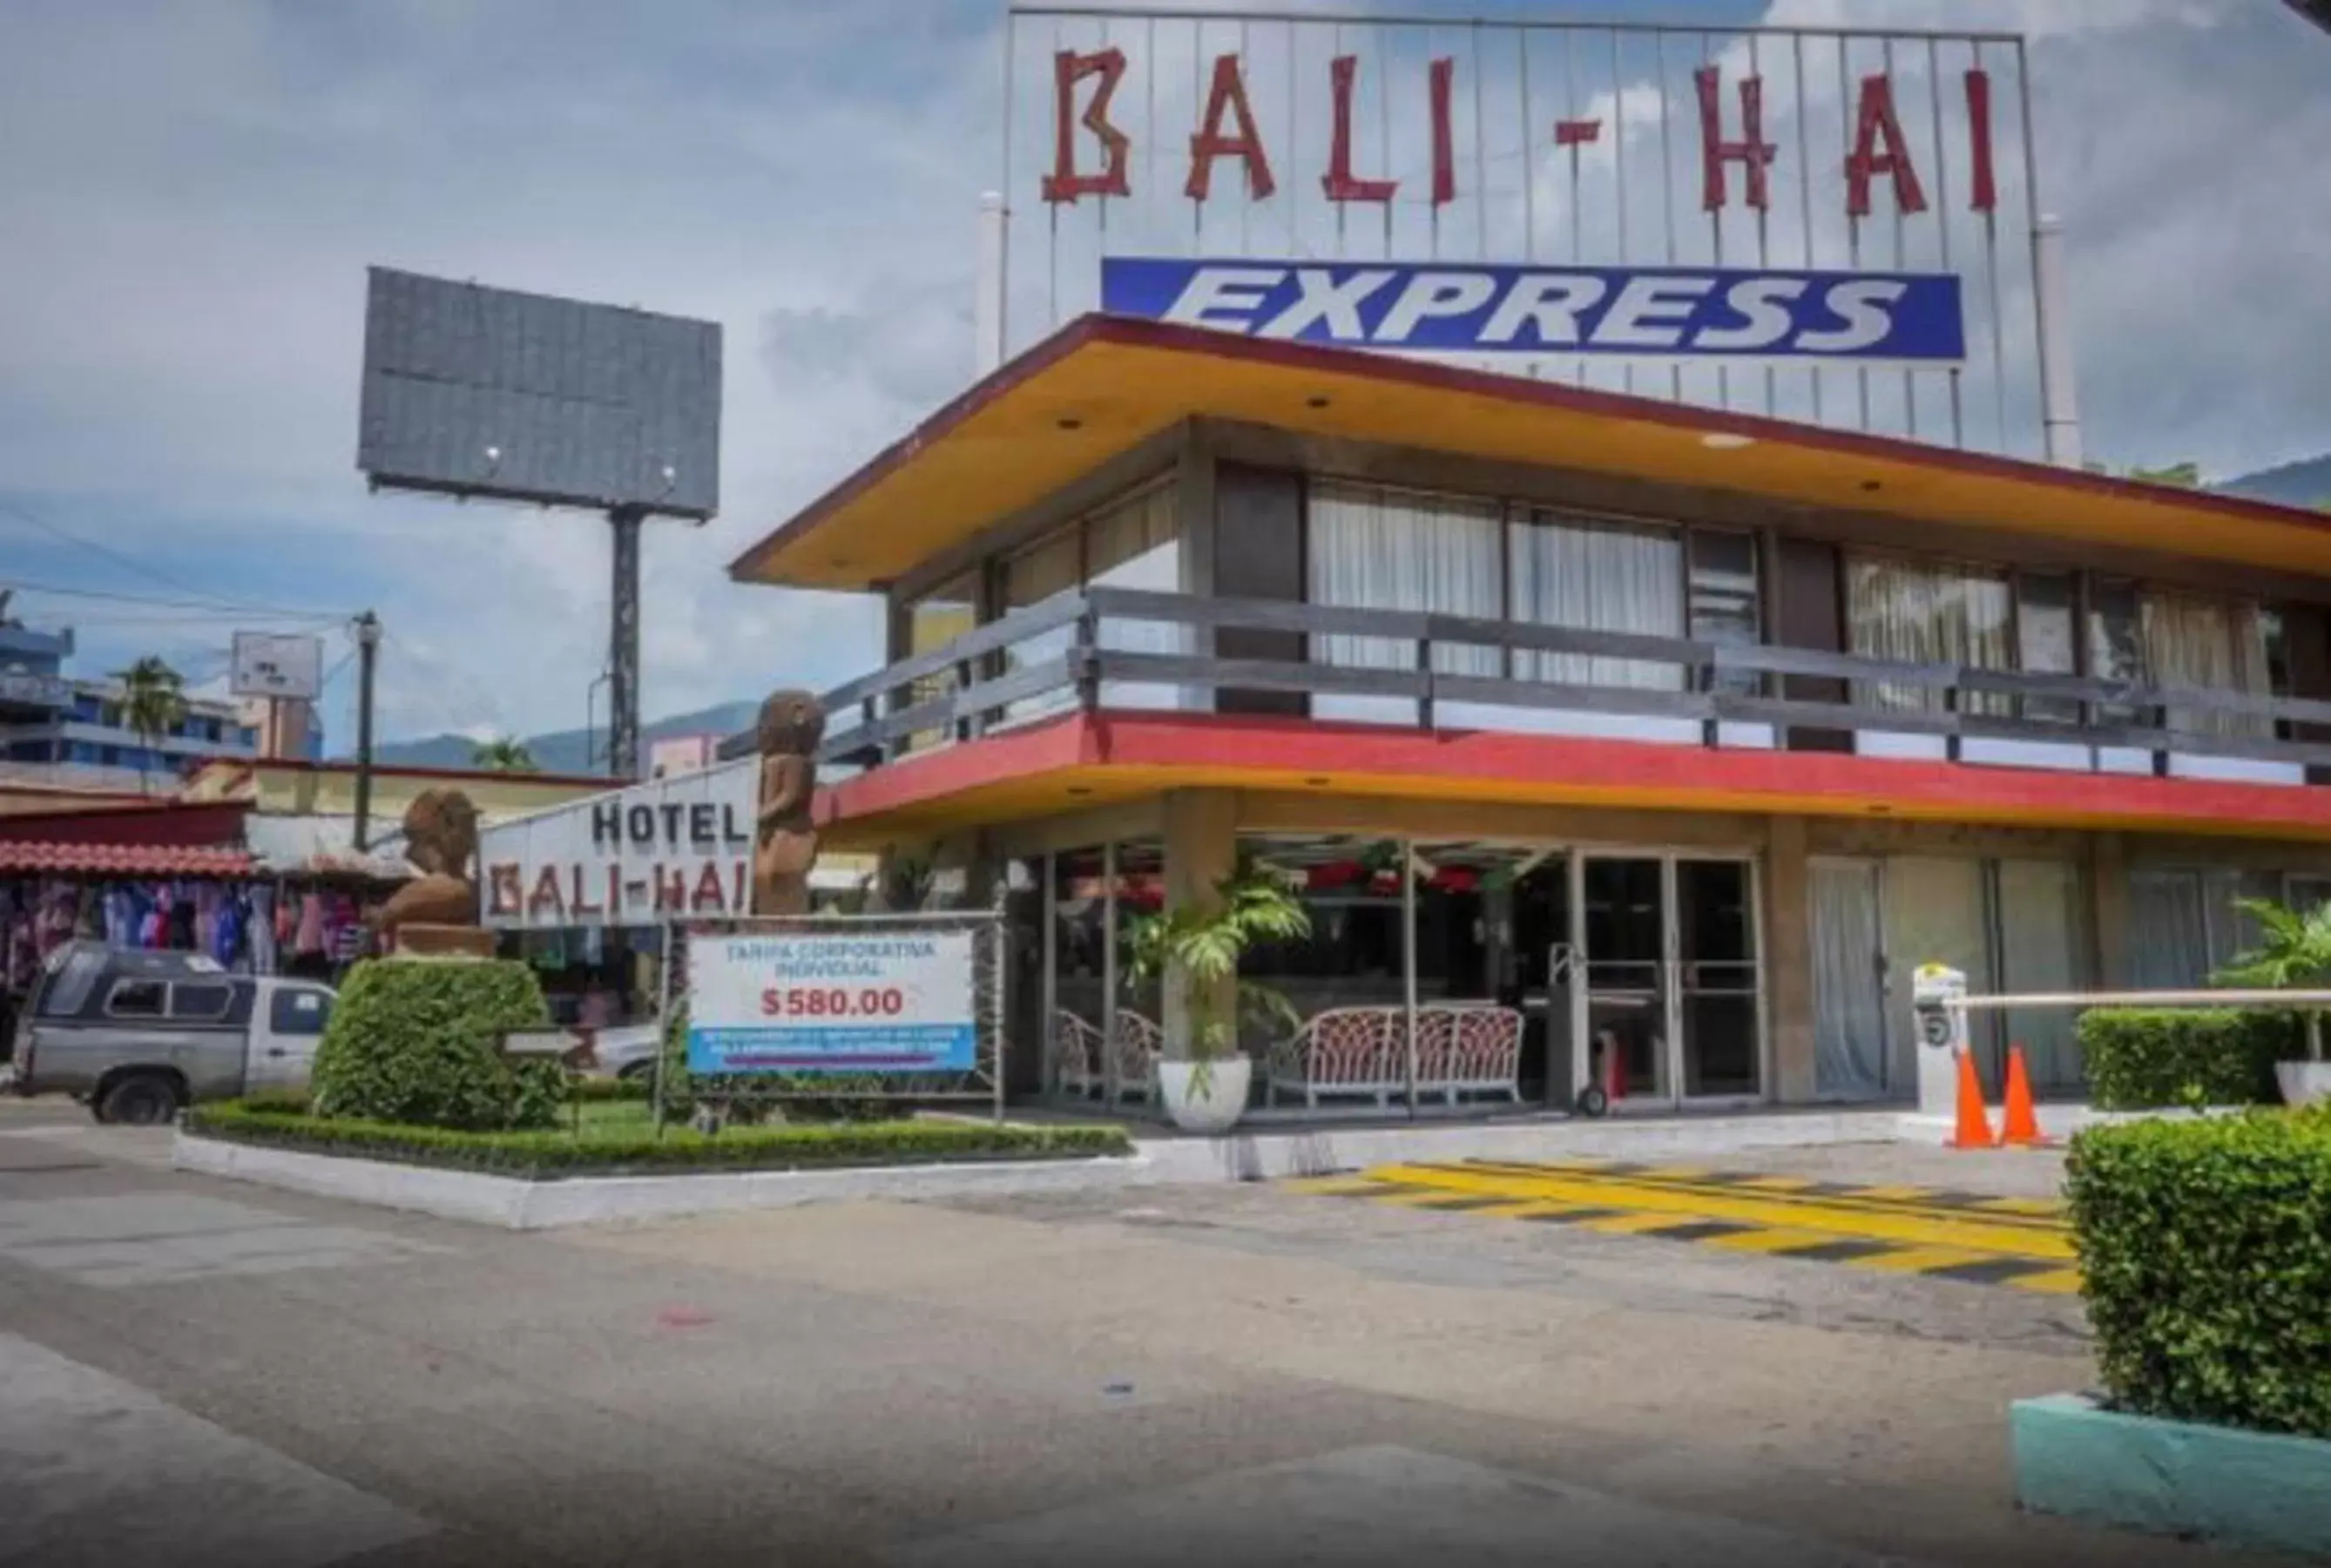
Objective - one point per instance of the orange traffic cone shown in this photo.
(2017, 1123)
(1974, 1131)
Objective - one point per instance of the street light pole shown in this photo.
(368, 656)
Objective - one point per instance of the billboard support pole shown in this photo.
(368, 656)
(624, 647)
(2059, 409)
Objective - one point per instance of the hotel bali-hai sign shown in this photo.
(1818, 224)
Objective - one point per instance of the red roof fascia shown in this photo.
(122, 859)
(1936, 790)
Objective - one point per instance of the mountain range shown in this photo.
(570, 750)
(2304, 483)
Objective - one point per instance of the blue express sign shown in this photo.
(1462, 309)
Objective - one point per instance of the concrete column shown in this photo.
(1788, 960)
(2109, 909)
(1200, 852)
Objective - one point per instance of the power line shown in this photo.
(53, 531)
(276, 611)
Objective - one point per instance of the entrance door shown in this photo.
(1624, 968)
(1669, 978)
(1719, 1036)
(1849, 1056)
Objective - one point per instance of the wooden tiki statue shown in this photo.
(785, 846)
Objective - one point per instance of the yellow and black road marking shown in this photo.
(1940, 1233)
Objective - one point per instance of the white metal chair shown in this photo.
(1139, 1047)
(1078, 1066)
(1343, 1050)
(1485, 1050)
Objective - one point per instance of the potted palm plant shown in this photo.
(2294, 953)
(1197, 947)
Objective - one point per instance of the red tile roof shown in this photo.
(19, 856)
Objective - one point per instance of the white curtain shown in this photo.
(1135, 544)
(2040, 950)
(1848, 1001)
(1378, 549)
(1923, 613)
(2168, 935)
(2216, 643)
(1031, 578)
(1597, 579)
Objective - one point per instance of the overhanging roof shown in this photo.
(1103, 385)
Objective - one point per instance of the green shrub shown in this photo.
(2206, 1251)
(2145, 1057)
(414, 1040)
(551, 1153)
(600, 1090)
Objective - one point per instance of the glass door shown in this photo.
(1624, 1004)
(1718, 1003)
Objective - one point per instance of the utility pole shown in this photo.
(368, 655)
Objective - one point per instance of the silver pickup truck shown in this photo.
(135, 1035)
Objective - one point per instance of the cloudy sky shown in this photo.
(190, 193)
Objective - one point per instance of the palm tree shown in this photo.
(2294, 953)
(502, 754)
(153, 704)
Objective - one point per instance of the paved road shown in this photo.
(200, 1373)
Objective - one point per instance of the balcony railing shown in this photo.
(991, 677)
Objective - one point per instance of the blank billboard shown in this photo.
(471, 391)
(275, 664)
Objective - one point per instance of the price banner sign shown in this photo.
(894, 1002)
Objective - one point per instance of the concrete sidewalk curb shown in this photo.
(1258, 1154)
(2168, 1478)
(516, 1204)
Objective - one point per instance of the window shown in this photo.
(110, 755)
(298, 1012)
(2214, 643)
(76, 971)
(1725, 603)
(201, 1001)
(933, 621)
(137, 999)
(1379, 549)
(1597, 577)
(1924, 613)
(2046, 641)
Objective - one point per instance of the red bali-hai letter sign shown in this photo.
(1064, 184)
(1874, 124)
(1209, 143)
(1752, 149)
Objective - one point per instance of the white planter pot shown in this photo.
(2303, 1082)
(1218, 1110)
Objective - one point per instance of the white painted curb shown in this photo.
(522, 1205)
(1258, 1155)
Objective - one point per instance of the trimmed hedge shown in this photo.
(414, 1040)
(2148, 1057)
(541, 1154)
(2206, 1251)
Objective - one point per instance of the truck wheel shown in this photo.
(142, 1100)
